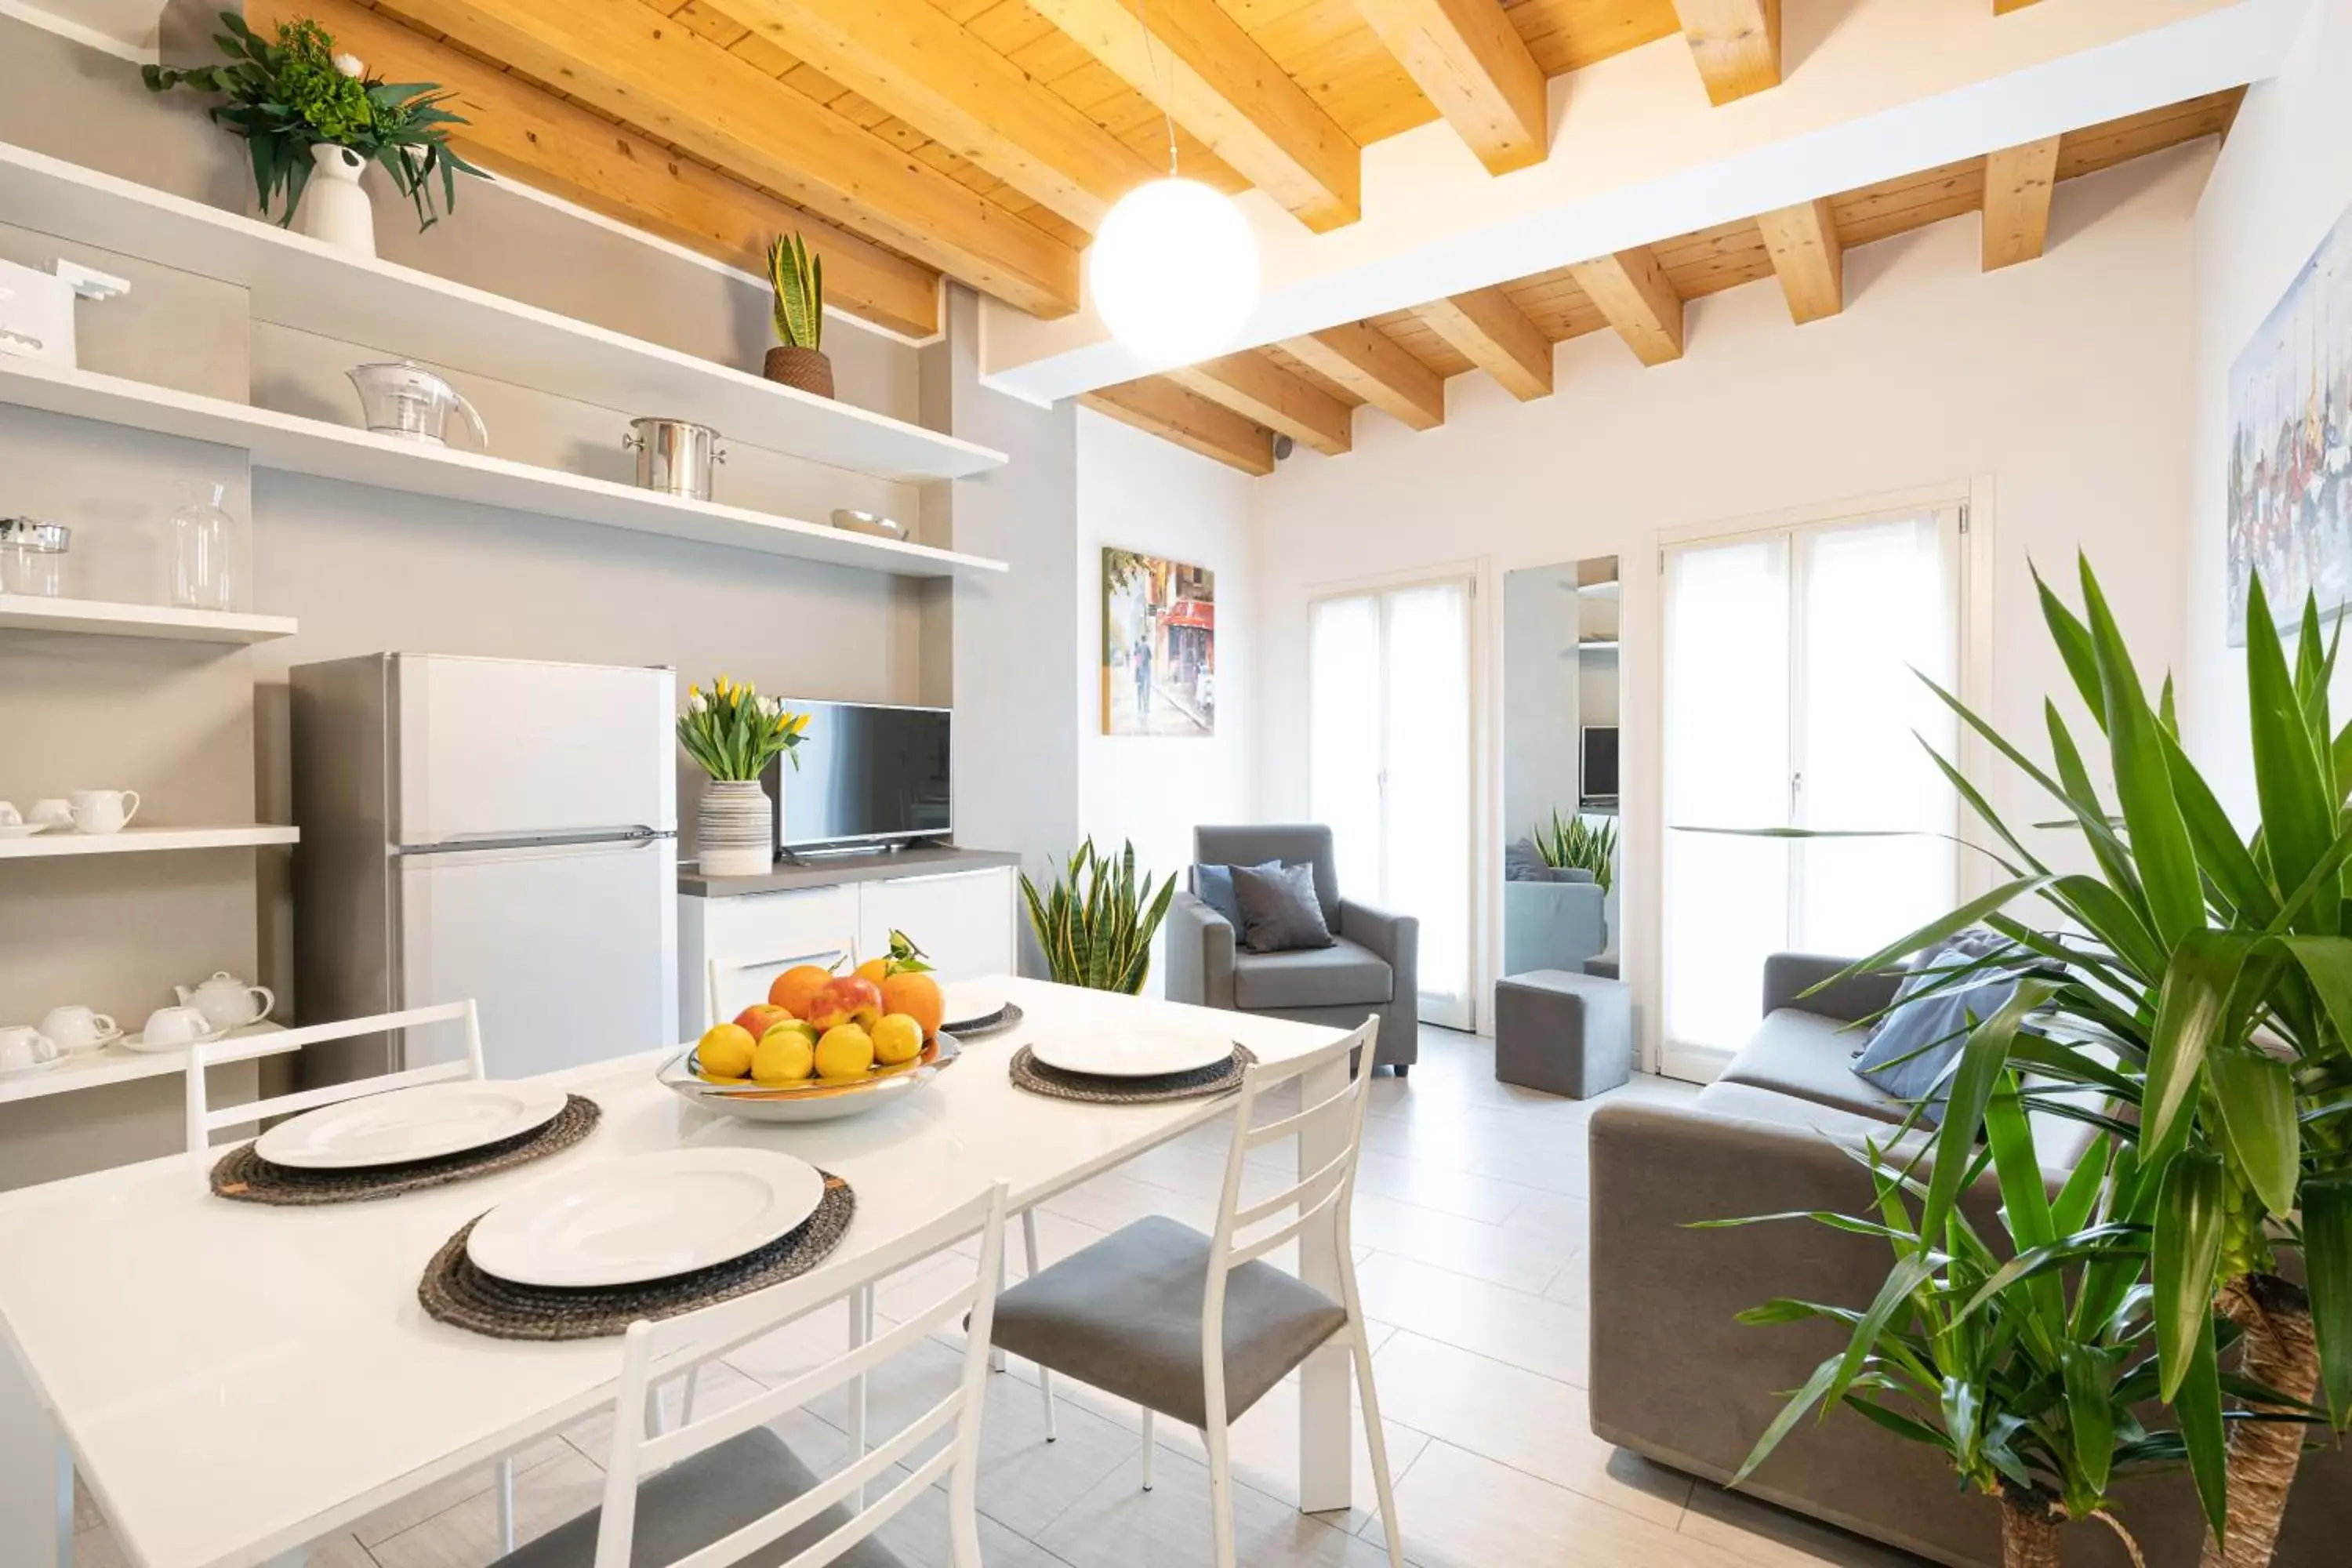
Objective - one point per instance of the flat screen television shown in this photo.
(1599, 780)
(868, 774)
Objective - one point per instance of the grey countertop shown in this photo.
(830, 870)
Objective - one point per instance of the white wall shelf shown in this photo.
(58, 841)
(23, 613)
(292, 444)
(297, 282)
(116, 1064)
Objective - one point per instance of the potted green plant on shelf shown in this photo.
(1577, 844)
(733, 734)
(304, 109)
(1095, 922)
(796, 276)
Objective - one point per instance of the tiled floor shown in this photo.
(1470, 1230)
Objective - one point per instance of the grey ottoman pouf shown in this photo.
(1563, 1033)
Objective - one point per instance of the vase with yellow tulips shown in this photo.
(733, 734)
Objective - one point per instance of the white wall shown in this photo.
(2281, 183)
(2055, 386)
(1139, 492)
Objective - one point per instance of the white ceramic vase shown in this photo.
(734, 834)
(335, 209)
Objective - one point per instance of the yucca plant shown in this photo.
(1096, 923)
(1578, 845)
(2216, 972)
(797, 276)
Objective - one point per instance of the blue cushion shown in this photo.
(1908, 1053)
(1215, 886)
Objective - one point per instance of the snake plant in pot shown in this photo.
(2204, 990)
(796, 278)
(1095, 922)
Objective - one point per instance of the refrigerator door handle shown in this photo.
(635, 834)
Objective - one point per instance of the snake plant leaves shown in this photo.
(2190, 1212)
(2327, 1265)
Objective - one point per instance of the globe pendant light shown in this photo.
(1173, 268)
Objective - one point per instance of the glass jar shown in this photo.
(33, 556)
(204, 573)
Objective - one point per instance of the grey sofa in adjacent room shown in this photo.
(1369, 969)
(1676, 1379)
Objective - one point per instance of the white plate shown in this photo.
(645, 1218)
(969, 1004)
(30, 1069)
(1132, 1053)
(422, 1123)
(136, 1040)
(24, 829)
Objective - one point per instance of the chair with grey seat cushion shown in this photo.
(727, 1480)
(1373, 968)
(1136, 1314)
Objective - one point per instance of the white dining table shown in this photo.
(235, 1382)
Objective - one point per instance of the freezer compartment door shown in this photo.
(494, 748)
(572, 951)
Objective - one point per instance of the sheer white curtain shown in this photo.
(1389, 765)
(1791, 701)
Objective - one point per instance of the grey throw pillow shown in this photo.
(1908, 1051)
(1214, 887)
(1279, 911)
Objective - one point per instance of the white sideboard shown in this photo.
(737, 935)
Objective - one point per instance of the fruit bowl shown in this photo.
(816, 1098)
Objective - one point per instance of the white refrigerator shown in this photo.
(500, 829)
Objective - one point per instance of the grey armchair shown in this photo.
(1370, 970)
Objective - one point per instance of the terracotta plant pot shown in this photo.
(803, 369)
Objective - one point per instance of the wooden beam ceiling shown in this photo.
(1807, 257)
(638, 66)
(1737, 44)
(1260, 390)
(1229, 92)
(2018, 186)
(1468, 58)
(532, 136)
(2003, 8)
(1172, 413)
(1489, 331)
(909, 57)
(1633, 292)
(1372, 364)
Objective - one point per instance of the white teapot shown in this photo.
(226, 1002)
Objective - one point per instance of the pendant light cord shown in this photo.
(1168, 85)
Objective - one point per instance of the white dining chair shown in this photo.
(1200, 1328)
(723, 1488)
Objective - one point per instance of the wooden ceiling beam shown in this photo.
(1229, 93)
(1737, 44)
(1809, 258)
(1496, 335)
(1468, 58)
(1378, 369)
(659, 75)
(1632, 290)
(1258, 389)
(2019, 182)
(1160, 406)
(914, 60)
(2003, 8)
(530, 135)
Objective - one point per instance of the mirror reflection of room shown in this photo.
(1560, 866)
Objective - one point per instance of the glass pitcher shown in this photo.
(205, 569)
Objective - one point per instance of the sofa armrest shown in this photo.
(1199, 953)
(1788, 976)
(1395, 938)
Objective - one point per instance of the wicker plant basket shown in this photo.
(806, 369)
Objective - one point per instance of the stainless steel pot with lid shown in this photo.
(674, 457)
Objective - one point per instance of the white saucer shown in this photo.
(650, 1218)
(421, 1123)
(1132, 1053)
(30, 1068)
(99, 1044)
(136, 1040)
(24, 829)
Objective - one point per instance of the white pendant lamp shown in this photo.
(1173, 268)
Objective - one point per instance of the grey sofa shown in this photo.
(1675, 1379)
(1370, 969)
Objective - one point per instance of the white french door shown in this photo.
(1391, 765)
(1791, 701)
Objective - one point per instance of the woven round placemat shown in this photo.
(248, 1178)
(458, 1293)
(1035, 1075)
(996, 1023)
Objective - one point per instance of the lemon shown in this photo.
(896, 1038)
(847, 1051)
(786, 1054)
(724, 1050)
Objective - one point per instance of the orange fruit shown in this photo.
(919, 996)
(793, 988)
(873, 969)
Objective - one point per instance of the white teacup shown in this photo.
(103, 810)
(55, 811)
(22, 1046)
(75, 1028)
(10, 816)
(176, 1027)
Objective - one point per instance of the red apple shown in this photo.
(845, 999)
(759, 1017)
